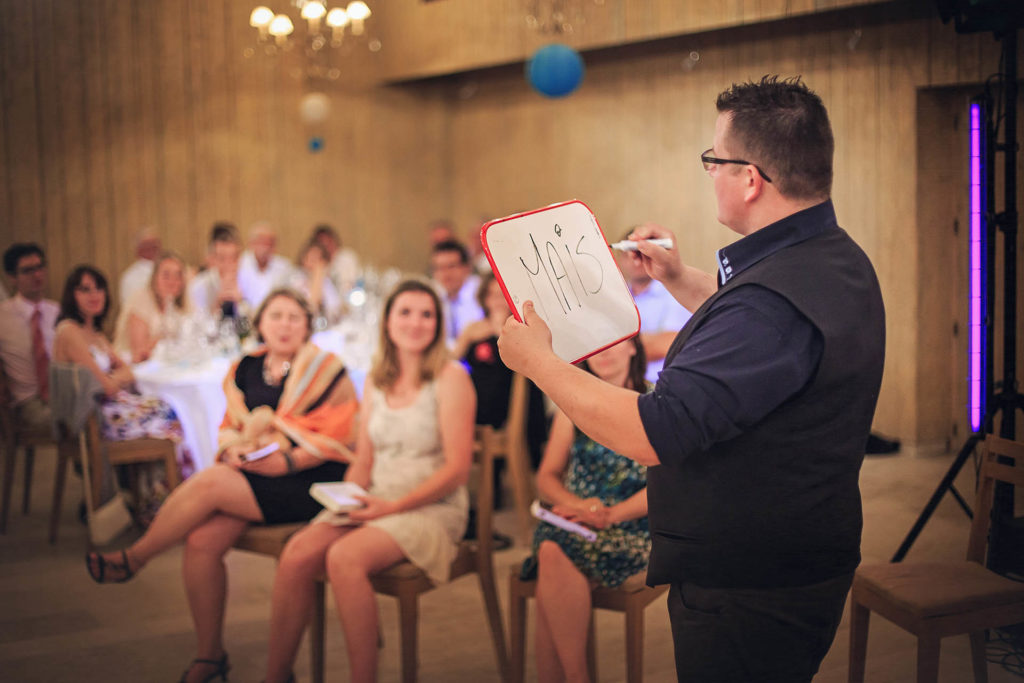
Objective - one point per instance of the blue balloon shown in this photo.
(316, 143)
(555, 70)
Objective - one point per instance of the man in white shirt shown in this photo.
(453, 274)
(261, 270)
(344, 264)
(137, 275)
(216, 288)
(661, 316)
(27, 321)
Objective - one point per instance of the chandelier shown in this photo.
(325, 33)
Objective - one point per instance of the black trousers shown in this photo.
(754, 635)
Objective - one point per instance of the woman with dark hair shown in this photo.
(290, 394)
(591, 485)
(413, 455)
(125, 415)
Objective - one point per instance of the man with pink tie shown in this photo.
(27, 321)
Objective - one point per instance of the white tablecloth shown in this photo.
(196, 393)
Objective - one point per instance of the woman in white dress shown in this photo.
(153, 312)
(413, 455)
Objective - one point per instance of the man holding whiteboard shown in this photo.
(759, 420)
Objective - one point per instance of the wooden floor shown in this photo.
(57, 625)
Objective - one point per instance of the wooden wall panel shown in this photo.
(868, 69)
(149, 113)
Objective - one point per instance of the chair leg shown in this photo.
(859, 621)
(58, 491)
(26, 494)
(634, 644)
(316, 633)
(592, 648)
(978, 657)
(927, 659)
(517, 631)
(408, 616)
(485, 572)
(10, 454)
(171, 469)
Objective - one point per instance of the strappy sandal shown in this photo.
(103, 565)
(221, 668)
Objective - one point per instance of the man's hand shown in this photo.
(521, 344)
(664, 265)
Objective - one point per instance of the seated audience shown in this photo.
(260, 269)
(451, 270)
(344, 263)
(661, 316)
(215, 290)
(137, 275)
(26, 334)
(413, 455)
(592, 485)
(290, 393)
(311, 279)
(125, 414)
(154, 312)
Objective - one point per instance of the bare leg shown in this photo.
(301, 564)
(219, 489)
(206, 586)
(549, 669)
(563, 595)
(350, 563)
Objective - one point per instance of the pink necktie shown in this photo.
(39, 355)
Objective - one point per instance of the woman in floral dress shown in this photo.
(592, 485)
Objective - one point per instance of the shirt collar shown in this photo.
(26, 307)
(740, 255)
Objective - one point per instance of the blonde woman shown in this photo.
(148, 315)
(413, 455)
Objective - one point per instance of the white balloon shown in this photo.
(314, 107)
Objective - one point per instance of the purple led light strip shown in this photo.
(975, 371)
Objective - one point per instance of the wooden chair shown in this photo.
(933, 600)
(509, 443)
(129, 452)
(631, 598)
(270, 540)
(13, 437)
(406, 582)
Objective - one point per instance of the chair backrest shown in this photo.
(1002, 460)
(485, 504)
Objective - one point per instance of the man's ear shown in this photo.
(754, 184)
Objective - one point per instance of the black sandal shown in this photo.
(124, 568)
(220, 671)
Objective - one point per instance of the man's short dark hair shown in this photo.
(782, 126)
(455, 246)
(322, 230)
(18, 251)
(223, 231)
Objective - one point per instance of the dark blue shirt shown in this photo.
(752, 352)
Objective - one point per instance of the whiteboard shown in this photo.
(558, 258)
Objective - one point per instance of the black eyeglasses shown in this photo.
(709, 161)
(31, 270)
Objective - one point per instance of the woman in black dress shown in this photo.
(289, 393)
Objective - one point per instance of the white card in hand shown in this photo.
(260, 453)
(338, 496)
(545, 515)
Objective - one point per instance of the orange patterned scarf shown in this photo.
(323, 431)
